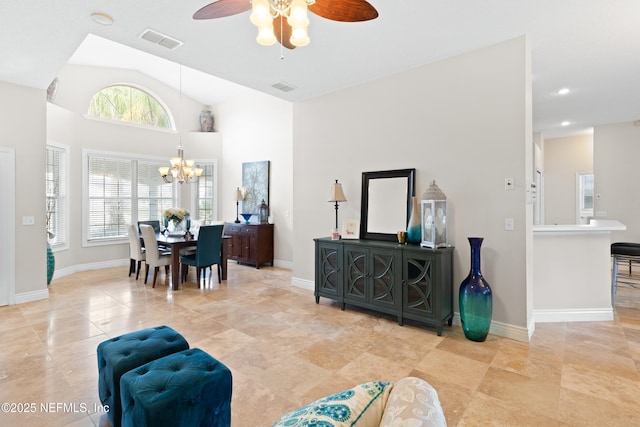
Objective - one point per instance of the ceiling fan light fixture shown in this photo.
(298, 14)
(261, 13)
(299, 37)
(266, 37)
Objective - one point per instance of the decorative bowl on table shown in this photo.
(246, 217)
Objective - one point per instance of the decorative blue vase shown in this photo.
(476, 303)
(414, 227)
(51, 263)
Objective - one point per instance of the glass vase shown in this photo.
(414, 227)
(475, 298)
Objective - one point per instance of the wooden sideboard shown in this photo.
(406, 281)
(250, 243)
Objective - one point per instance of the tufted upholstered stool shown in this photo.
(121, 354)
(189, 388)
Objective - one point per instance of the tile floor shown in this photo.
(285, 351)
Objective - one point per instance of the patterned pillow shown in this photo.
(363, 404)
(414, 402)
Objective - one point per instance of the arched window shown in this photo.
(131, 105)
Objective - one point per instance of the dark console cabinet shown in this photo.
(250, 243)
(407, 281)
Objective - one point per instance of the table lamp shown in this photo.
(238, 199)
(336, 195)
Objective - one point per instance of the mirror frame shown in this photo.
(409, 174)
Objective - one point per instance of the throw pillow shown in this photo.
(363, 404)
(414, 402)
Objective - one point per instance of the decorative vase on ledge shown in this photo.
(206, 121)
(475, 297)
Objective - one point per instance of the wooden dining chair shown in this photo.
(208, 252)
(153, 256)
(137, 253)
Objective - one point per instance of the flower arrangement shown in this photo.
(175, 215)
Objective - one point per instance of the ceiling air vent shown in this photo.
(159, 38)
(285, 87)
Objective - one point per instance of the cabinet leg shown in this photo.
(450, 321)
(343, 306)
(400, 321)
(317, 299)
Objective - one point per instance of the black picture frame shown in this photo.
(367, 178)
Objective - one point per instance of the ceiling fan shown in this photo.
(286, 21)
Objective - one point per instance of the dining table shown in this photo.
(178, 242)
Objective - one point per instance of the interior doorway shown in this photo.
(7, 221)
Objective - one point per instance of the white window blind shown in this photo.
(154, 195)
(204, 200)
(110, 196)
(56, 182)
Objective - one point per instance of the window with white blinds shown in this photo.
(204, 197)
(122, 190)
(56, 190)
(110, 196)
(153, 194)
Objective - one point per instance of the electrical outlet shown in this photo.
(28, 220)
(509, 184)
(601, 214)
(508, 224)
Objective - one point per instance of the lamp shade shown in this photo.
(336, 194)
(239, 197)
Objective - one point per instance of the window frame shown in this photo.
(195, 196)
(134, 158)
(66, 170)
(172, 128)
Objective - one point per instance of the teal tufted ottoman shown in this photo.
(121, 354)
(189, 388)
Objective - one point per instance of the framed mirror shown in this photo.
(386, 203)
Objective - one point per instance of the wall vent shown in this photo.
(285, 87)
(160, 39)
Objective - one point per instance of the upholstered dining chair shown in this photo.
(136, 251)
(154, 257)
(208, 252)
(156, 228)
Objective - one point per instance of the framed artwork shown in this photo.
(351, 229)
(255, 180)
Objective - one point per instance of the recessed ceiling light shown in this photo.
(563, 91)
(565, 123)
(102, 18)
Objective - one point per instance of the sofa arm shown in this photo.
(414, 402)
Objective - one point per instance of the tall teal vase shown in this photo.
(475, 297)
(414, 227)
(51, 263)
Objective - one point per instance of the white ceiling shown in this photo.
(589, 46)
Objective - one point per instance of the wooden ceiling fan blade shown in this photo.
(222, 8)
(344, 10)
(284, 36)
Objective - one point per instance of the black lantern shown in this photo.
(264, 213)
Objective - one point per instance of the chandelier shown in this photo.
(295, 11)
(181, 170)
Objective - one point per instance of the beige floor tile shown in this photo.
(284, 351)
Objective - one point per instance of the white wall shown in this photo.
(258, 127)
(616, 154)
(23, 128)
(563, 159)
(464, 122)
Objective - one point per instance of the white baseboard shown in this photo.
(501, 329)
(303, 283)
(283, 264)
(32, 296)
(573, 315)
(90, 266)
